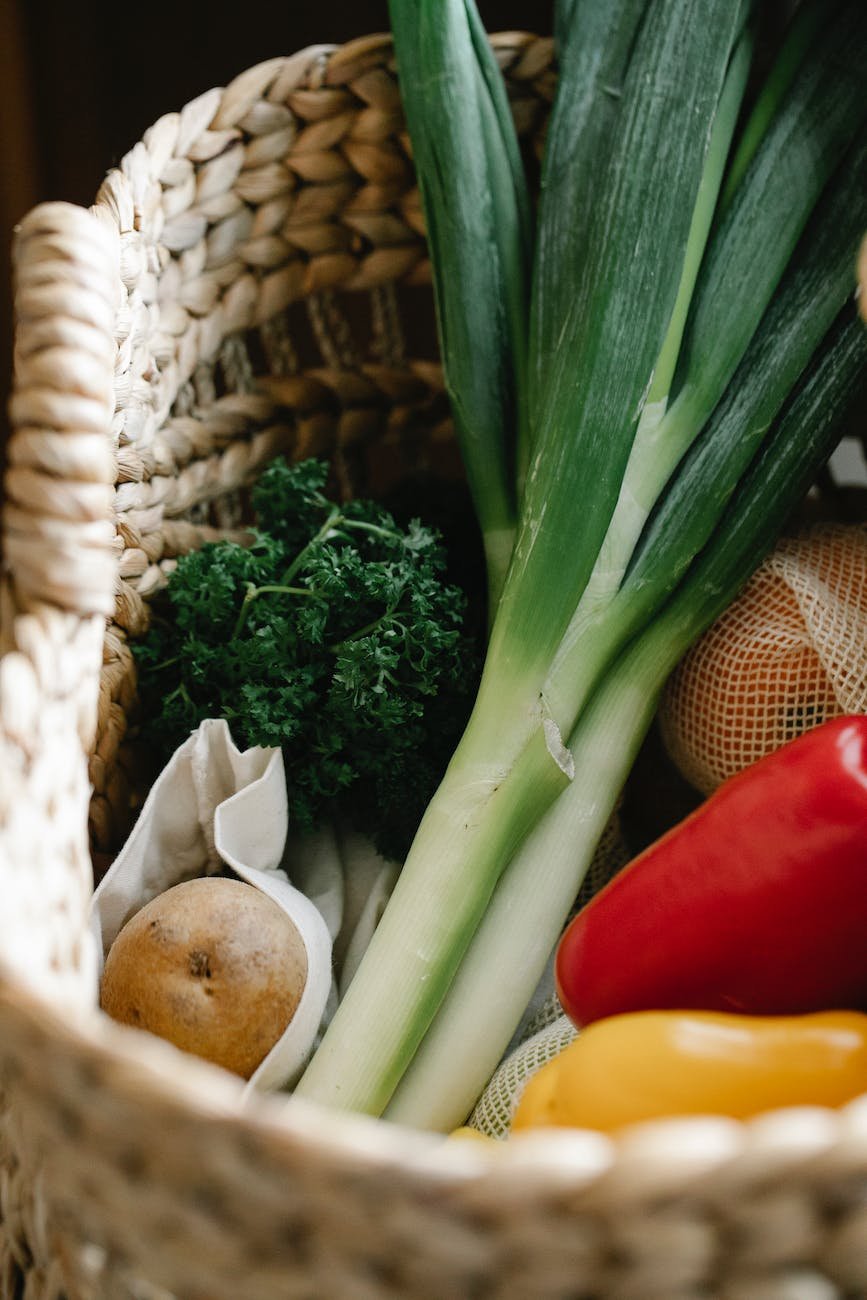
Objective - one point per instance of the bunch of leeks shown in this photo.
(644, 386)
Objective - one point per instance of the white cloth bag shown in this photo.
(214, 806)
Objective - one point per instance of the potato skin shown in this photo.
(213, 965)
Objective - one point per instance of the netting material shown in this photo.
(787, 655)
(496, 1106)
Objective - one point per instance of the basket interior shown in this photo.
(276, 300)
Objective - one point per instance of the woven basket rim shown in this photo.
(658, 1158)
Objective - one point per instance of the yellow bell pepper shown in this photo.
(650, 1064)
(466, 1133)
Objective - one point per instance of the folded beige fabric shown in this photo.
(214, 807)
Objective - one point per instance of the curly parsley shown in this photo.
(335, 636)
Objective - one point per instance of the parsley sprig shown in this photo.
(335, 636)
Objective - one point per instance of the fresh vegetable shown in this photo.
(661, 1064)
(479, 228)
(685, 389)
(524, 919)
(335, 636)
(789, 653)
(213, 965)
(756, 902)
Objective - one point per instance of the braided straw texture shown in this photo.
(253, 279)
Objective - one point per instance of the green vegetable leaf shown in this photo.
(478, 219)
(334, 636)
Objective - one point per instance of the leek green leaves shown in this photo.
(479, 229)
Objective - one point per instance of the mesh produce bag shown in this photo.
(788, 654)
(550, 1033)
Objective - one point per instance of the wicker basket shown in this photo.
(251, 280)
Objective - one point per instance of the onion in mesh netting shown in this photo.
(788, 654)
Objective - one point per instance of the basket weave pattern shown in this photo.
(237, 291)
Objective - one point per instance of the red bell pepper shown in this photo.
(756, 902)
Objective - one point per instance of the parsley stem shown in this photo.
(166, 663)
(181, 692)
(253, 593)
(376, 529)
(361, 632)
(334, 520)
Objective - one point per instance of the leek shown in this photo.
(595, 44)
(534, 897)
(817, 282)
(796, 381)
(479, 230)
(692, 359)
(805, 26)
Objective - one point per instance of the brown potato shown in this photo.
(214, 966)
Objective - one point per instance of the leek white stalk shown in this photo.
(526, 913)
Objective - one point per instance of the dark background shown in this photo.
(81, 81)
